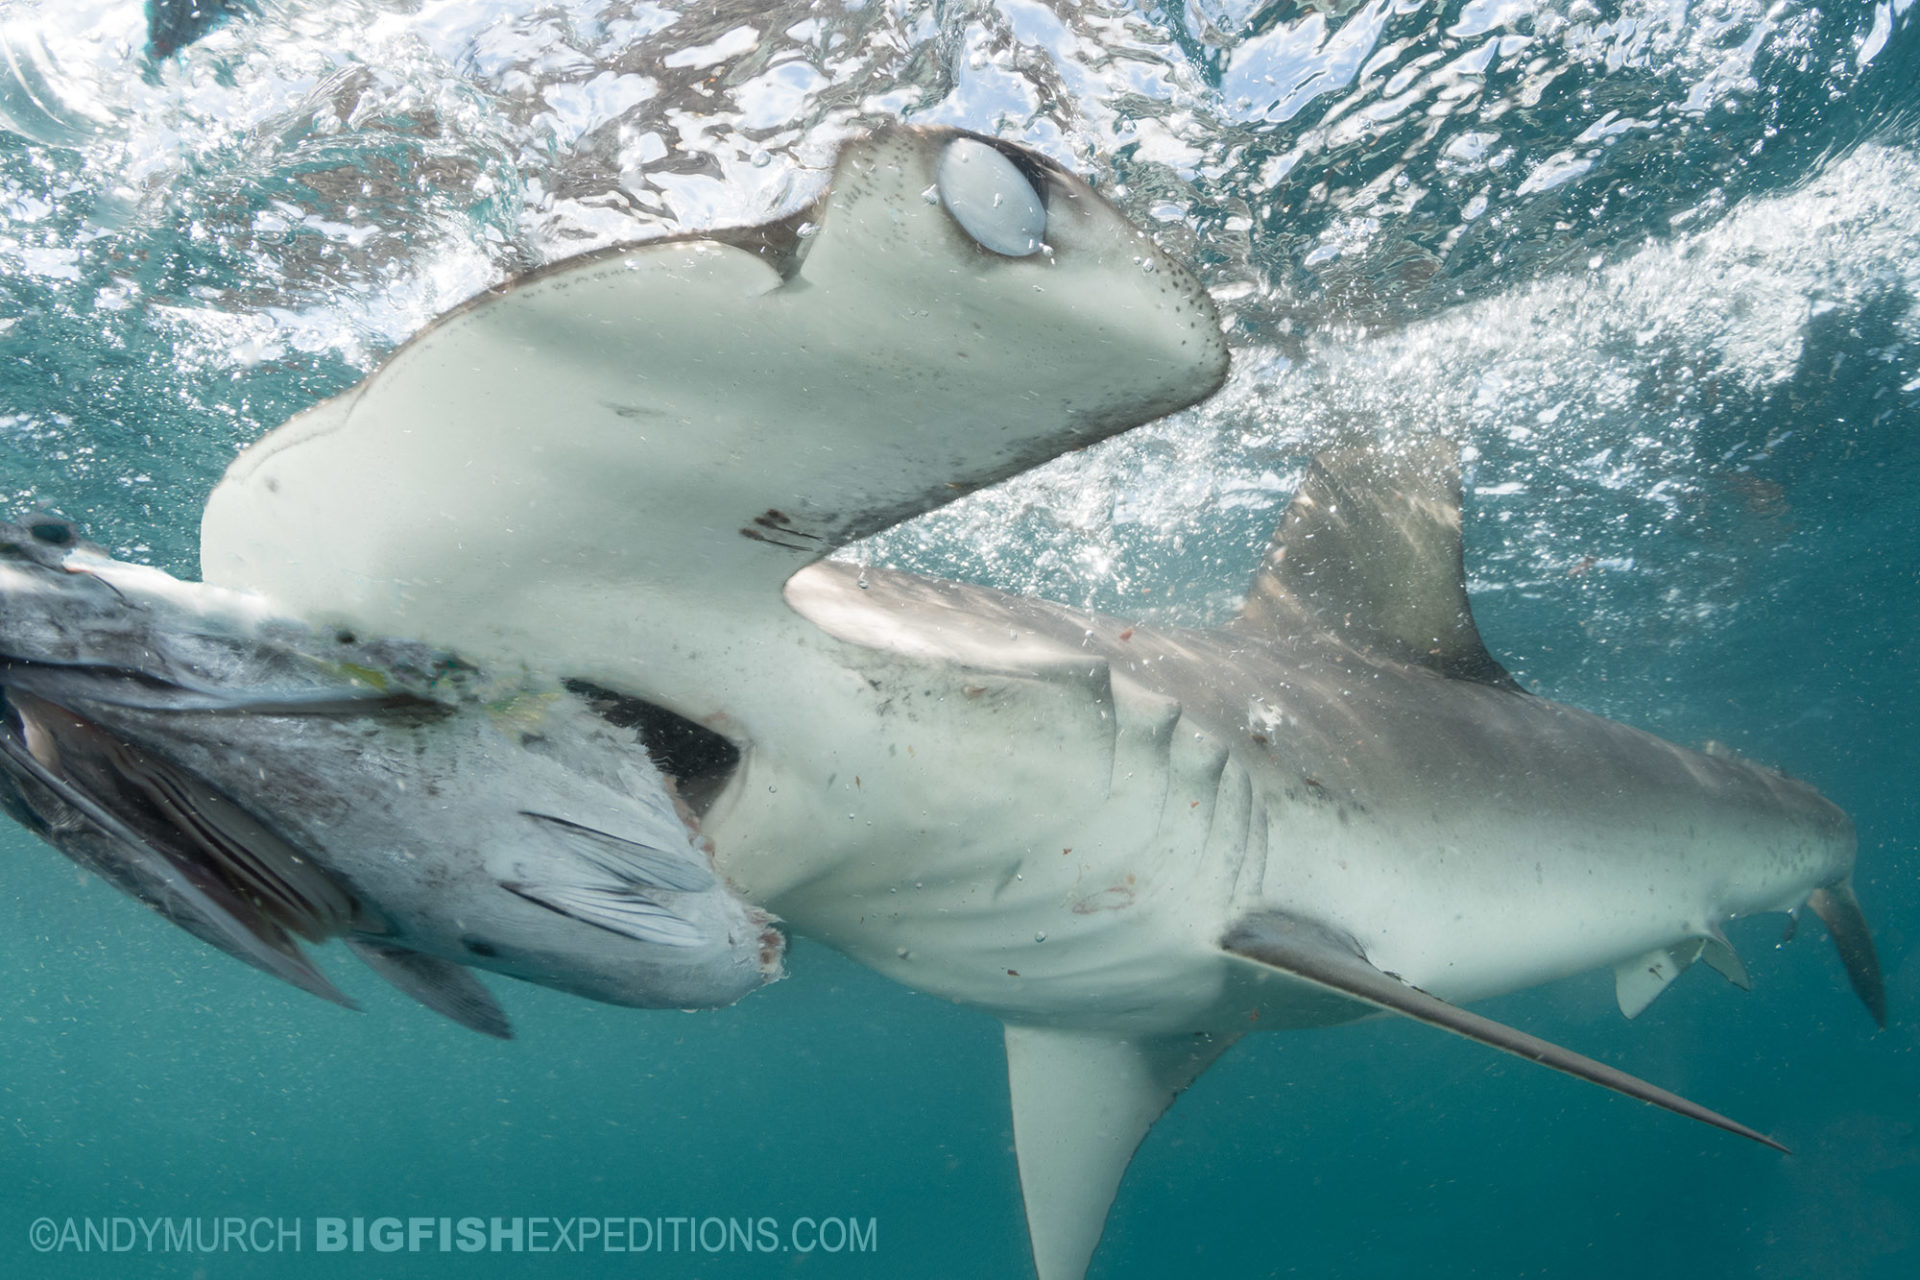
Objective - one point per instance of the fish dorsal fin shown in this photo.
(623, 456)
(1082, 1101)
(1370, 550)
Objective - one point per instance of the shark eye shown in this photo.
(991, 199)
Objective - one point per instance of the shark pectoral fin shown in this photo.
(1312, 954)
(1082, 1101)
(1839, 910)
(1370, 549)
(1637, 981)
(445, 988)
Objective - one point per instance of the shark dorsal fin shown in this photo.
(1370, 550)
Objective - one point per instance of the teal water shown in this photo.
(1659, 261)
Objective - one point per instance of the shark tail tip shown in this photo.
(1839, 910)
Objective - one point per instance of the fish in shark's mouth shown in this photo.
(261, 784)
(621, 475)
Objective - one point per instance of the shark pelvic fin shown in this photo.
(1370, 549)
(1724, 960)
(446, 988)
(1082, 1101)
(1839, 910)
(1638, 981)
(1313, 954)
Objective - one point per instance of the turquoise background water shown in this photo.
(1658, 262)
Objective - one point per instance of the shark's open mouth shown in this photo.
(697, 760)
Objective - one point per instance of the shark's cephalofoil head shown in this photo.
(258, 783)
(686, 422)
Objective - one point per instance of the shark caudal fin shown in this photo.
(1839, 910)
(628, 453)
(1370, 551)
(1310, 953)
(1082, 1101)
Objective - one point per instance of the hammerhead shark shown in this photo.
(614, 486)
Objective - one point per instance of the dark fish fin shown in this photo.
(1370, 550)
(1313, 954)
(178, 889)
(614, 908)
(443, 987)
(1839, 910)
(263, 868)
(628, 860)
(140, 691)
(181, 846)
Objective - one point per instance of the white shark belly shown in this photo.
(1053, 850)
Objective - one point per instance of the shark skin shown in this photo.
(1130, 844)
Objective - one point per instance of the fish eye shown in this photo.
(991, 199)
